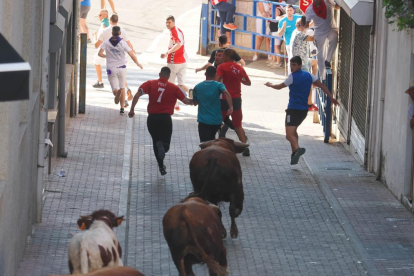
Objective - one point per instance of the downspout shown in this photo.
(351, 84)
(370, 86)
(75, 41)
(43, 109)
(62, 95)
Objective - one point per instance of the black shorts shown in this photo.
(237, 104)
(294, 117)
(84, 10)
(207, 132)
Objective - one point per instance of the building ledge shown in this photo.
(360, 11)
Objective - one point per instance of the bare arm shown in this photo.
(229, 102)
(98, 43)
(282, 30)
(310, 38)
(172, 50)
(130, 44)
(134, 58)
(242, 62)
(246, 81)
(325, 89)
(276, 86)
(309, 24)
(218, 78)
(101, 54)
(134, 102)
(208, 64)
(188, 101)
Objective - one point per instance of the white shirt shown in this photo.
(107, 34)
(322, 26)
(115, 55)
(289, 79)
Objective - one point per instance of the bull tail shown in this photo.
(210, 165)
(214, 266)
(84, 260)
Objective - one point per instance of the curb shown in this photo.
(124, 200)
(346, 224)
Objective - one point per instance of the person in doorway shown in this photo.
(233, 75)
(299, 83)
(176, 56)
(321, 13)
(287, 25)
(265, 10)
(115, 49)
(85, 6)
(207, 97)
(162, 97)
(97, 60)
(226, 12)
(111, 3)
(212, 61)
(107, 34)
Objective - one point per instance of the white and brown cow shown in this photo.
(98, 246)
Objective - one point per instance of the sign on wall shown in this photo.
(304, 4)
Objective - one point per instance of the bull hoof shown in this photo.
(234, 234)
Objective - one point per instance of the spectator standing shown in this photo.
(265, 10)
(111, 3)
(162, 97)
(321, 13)
(212, 61)
(207, 96)
(287, 25)
(299, 83)
(85, 6)
(115, 49)
(226, 12)
(97, 60)
(107, 34)
(274, 29)
(176, 56)
(233, 75)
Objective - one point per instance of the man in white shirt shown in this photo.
(107, 34)
(115, 49)
(322, 15)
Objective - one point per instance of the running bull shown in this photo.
(216, 175)
(193, 231)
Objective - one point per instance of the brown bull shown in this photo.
(193, 231)
(216, 175)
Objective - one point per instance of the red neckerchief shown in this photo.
(320, 11)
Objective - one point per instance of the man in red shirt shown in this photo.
(162, 97)
(233, 75)
(176, 55)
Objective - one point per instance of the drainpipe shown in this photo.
(370, 87)
(351, 84)
(61, 106)
(43, 109)
(75, 43)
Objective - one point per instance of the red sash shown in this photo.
(320, 11)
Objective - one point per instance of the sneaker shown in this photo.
(177, 107)
(327, 64)
(161, 150)
(126, 103)
(278, 65)
(246, 152)
(269, 61)
(298, 153)
(230, 26)
(121, 111)
(163, 170)
(129, 94)
(98, 85)
(270, 64)
(255, 57)
(117, 96)
(223, 130)
(313, 107)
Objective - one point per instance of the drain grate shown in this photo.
(338, 169)
(399, 219)
(361, 174)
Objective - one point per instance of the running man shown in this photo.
(207, 96)
(299, 83)
(115, 49)
(233, 75)
(176, 55)
(162, 97)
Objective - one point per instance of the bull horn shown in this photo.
(240, 144)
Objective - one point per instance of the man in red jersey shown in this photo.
(176, 55)
(162, 97)
(233, 75)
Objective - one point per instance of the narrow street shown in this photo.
(324, 216)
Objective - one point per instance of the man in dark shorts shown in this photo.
(162, 97)
(207, 96)
(299, 83)
(233, 75)
(212, 61)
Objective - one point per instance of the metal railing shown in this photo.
(243, 29)
(324, 105)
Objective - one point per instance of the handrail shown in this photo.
(324, 104)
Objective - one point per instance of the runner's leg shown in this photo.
(292, 137)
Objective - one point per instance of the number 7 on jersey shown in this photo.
(162, 92)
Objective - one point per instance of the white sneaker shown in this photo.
(278, 65)
(255, 57)
(270, 64)
(269, 61)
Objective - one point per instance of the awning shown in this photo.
(360, 11)
(14, 74)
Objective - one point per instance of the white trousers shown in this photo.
(323, 52)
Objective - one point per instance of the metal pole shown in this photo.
(82, 73)
(61, 107)
(75, 41)
(351, 84)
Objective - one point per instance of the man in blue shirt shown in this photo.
(299, 83)
(207, 95)
(287, 25)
